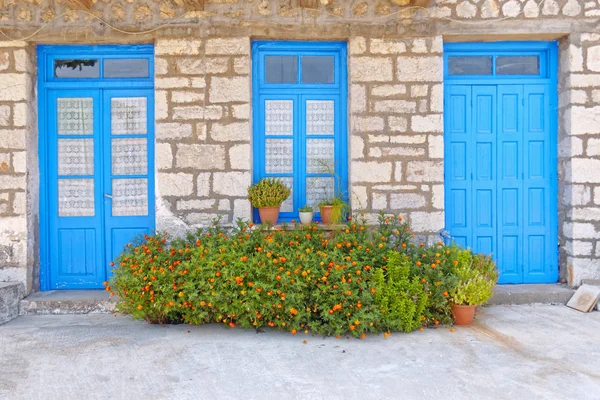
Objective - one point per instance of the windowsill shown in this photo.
(290, 226)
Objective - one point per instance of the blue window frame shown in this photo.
(299, 120)
(96, 152)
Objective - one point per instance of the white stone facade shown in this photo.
(395, 111)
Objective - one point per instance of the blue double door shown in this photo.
(500, 177)
(99, 180)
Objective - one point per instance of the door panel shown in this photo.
(128, 196)
(74, 202)
(501, 200)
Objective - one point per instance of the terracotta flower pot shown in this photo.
(269, 214)
(326, 214)
(463, 315)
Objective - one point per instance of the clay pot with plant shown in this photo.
(267, 195)
(306, 214)
(475, 276)
(333, 211)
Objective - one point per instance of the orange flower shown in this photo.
(386, 335)
(139, 307)
(364, 335)
(244, 258)
(294, 311)
(445, 294)
(293, 331)
(181, 294)
(352, 327)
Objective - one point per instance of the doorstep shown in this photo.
(68, 302)
(551, 293)
(10, 295)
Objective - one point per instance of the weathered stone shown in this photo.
(426, 123)
(217, 65)
(435, 146)
(172, 130)
(242, 210)
(175, 184)
(579, 248)
(550, 7)
(15, 87)
(437, 200)
(371, 171)
(358, 99)
(239, 157)
(197, 112)
(511, 8)
(593, 147)
(240, 111)
(419, 69)
(203, 184)
(241, 65)
(388, 90)
(580, 230)
(201, 218)
(408, 139)
(359, 198)
(12, 139)
(228, 46)
(224, 205)
(5, 115)
(161, 104)
(572, 8)
(419, 45)
(531, 9)
(200, 156)
(371, 69)
(436, 99)
(425, 171)
(232, 183)
(593, 58)
(357, 147)
(226, 90)
(585, 214)
(576, 195)
(395, 106)
(583, 170)
(586, 120)
(466, 10)
(357, 45)
(196, 204)
(181, 47)
(419, 90)
(367, 124)
(407, 201)
(171, 83)
(239, 131)
(489, 9)
(421, 221)
(379, 201)
(584, 80)
(397, 124)
(164, 156)
(387, 46)
(19, 162)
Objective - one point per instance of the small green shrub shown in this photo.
(400, 298)
(475, 277)
(306, 209)
(339, 210)
(269, 192)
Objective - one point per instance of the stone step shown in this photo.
(10, 295)
(552, 293)
(68, 302)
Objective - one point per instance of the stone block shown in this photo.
(396, 106)
(437, 196)
(580, 230)
(397, 124)
(20, 114)
(20, 162)
(20, 203)
(407, 201)
(419, 69)
(388, 90)
(217, 65)
(161, 104)
(357, 45)
(11, 294)
(197, 113)
(186, 205)
(387, 46)
(435, 146)
(379, 201)
(240, 156)
(358, 99)
(357, 147)
(241, 65)
(161, 66)
(358, 197)
(228, 46)
(203, 184)
(164, 156)
(190, 66)
(371, 171)
(593, 147)
(171, 83)
(585, 120)
(181, 47)
(232, 183)
(367, 124)
(370, 69)
(8, 182)
(200, 218)
(583, 170)
(242, 210)
(579, 248)
(240, 111)
(227, 90)
(173, 130)
(5, 115)
(427, 123)
(235, 132)
(576, 195)
(15, 87)
(425, 171)
(587, 214)
(187, 96)
(12, 139)
(421, 221)
(200, 156)
(175, 184)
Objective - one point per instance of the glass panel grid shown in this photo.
(279, 117)
(281, 69)
(288, 204)
(128, 115)
(129, 156)
(76, 156)
(318, 69)
(470, 65)
(76, 69)
(126, 68)
(279, 156)
(320, 156)
(129, 197)
(517, 65)
(319, 189)
(75, 197)
(75, 116)
(320, 117)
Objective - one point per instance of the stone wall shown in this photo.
(18, 176)
(203, 86)
(203, 131)
(396, 142)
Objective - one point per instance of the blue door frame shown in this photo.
(501, 156)
(298, 94)
(76, 250)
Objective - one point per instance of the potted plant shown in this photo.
(267, 195)
(306, 214)
(333, 211)
(475, 277)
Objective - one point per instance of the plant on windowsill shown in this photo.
(475, 277)
(306, 214)
(333, 211)
(267, 195)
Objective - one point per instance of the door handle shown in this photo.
(107, 195)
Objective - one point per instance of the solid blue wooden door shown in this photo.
(96, 159)
(499, 177)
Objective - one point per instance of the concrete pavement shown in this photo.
(512, 352)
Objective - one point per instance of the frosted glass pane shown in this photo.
(128, 115)
(319, 117)
(75, 197)
(470, 65)
(129, 197)
(281, 69)
(279, 156)
(279, 117)
(129, 156)
(288, 205)
(319, 156)
(317, 69)
(318, 190)
(76, 156)
(126, 68)
(517, 65)
(75, 116)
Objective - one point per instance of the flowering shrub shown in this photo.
(298, 278)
